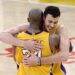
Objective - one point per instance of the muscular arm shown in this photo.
(8, 36)
(62, 55)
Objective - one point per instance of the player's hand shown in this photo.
(32, 45)
(31, 61)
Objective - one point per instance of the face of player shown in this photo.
(50, 22)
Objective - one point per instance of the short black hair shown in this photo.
(53, 10)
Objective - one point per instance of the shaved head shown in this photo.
(36, 15)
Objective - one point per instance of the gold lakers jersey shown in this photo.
(37, 70)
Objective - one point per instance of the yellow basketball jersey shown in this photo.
(37, 70)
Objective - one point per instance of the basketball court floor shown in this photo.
(15, 12)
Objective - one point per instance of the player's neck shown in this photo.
(33, 29)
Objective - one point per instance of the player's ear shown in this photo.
(28, 19)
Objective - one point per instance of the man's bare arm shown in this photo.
(62, 55)
(8, 36)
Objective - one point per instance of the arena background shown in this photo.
(15, 12)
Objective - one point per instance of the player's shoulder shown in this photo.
(61, 28)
